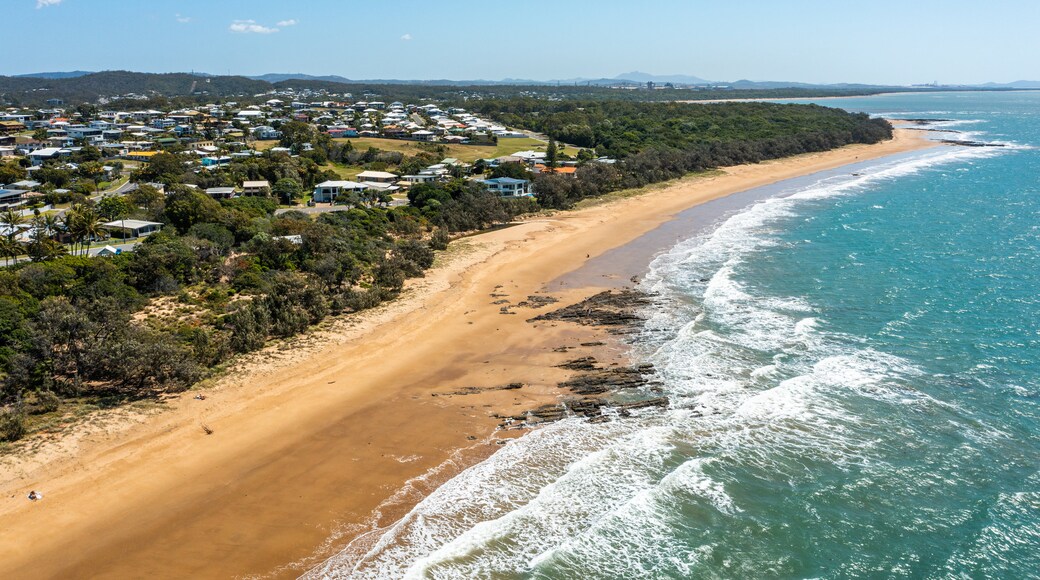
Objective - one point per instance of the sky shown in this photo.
(819, 41)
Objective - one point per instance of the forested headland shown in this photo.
(654, 142)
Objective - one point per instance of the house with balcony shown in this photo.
(329, 191)
(509, 187)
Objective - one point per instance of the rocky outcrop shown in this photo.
(971, 143)
(594, 409)
(613, 309)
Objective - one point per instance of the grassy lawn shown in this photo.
(347, 172)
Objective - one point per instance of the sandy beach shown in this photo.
(337, 434)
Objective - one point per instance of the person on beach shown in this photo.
(35, 495)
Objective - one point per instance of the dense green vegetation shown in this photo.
(220, 279)
(659, 141)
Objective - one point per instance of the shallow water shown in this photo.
(853, 368)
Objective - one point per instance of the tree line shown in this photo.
(653, 142)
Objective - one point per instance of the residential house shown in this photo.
(566, 171)
(9, 127)
(421, 178)
(261, 187)
(215, 161)
(509, 187)
(140, 155)
(40, 155)
(266, 133)
(220, 192)
(26, 184)
(329, 191)
(125, 229)
(11, 197)
(377, 176)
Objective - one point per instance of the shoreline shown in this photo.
(310, 442)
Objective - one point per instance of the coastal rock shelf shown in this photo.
(595, 410)
(971, 143)
(611, 308)
(591, 388)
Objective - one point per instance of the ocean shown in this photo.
(853, 362)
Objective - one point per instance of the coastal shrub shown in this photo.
(143, 358)
(294, 302)
(215, 233)
(416, 255)
(42, 402)
(210, 347)
(390, 274)
(12, 425)
(440, 239)
(356, 299)
(249, 326)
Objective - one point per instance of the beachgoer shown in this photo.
(35, 495)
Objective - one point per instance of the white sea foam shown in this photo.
(755, 380)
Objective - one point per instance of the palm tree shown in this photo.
(8, 248)
(12, 218)
(68, 225)
(91, 226)
(51, 224)
(83, 224)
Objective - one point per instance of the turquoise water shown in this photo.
(854, 366)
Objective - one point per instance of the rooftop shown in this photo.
(131, 224)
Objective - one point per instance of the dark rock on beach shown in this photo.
(971, 143)
(608, 308)
(594, 409)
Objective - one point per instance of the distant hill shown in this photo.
(278, 77)
(55, 75)
(91, 86)
(1015, 85)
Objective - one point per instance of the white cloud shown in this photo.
(406, 37)
(289, 22)
(45, 3)
(183, 19)
(250, 26)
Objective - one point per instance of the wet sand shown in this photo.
(314, 442)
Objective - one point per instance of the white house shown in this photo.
(328, 191)
(40, 155)
(424, 178)
(260, 187)
(132, 228)
(509, 187)
(377, 176)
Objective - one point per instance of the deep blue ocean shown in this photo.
(854, 369)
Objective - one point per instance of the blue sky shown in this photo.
(883, 41)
